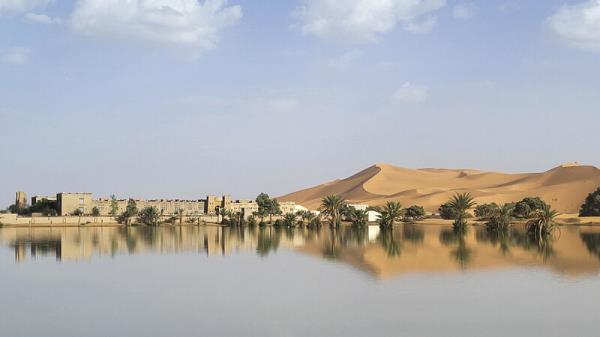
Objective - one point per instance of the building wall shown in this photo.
(212, 204)
(246, 207)
(165, 207)
(67, 203)
(287, 207)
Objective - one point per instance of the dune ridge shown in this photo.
(564, 187)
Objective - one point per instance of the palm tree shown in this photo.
(332, 206)
(149, 216)
(305, 217)
(358, 217)
(390, 213)
(226, 216)
(315, 221)
(542, 223)
(460, 203)
(501, 217)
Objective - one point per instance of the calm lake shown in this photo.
(212, 281)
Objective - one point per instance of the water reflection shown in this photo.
(407, 248)
(592, 242)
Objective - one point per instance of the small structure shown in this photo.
(373, 216)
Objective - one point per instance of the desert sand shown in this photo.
(564, 187)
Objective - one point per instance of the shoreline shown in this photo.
(564, 221)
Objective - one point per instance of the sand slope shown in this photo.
(564, 187)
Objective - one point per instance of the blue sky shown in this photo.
(180, 98)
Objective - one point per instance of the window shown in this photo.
(81, 201)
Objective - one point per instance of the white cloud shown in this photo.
(182, 22)
(344, 60)
(579, 24)
(41, 18)
(411, 93)
(282, 105)
(364, 20)
(16, 56)
(463, 11)
(21, 6)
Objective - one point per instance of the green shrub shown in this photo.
(591, 206)
(447, 212)
(252, 221)
(415, 212)
(485, 211)
(527, 207)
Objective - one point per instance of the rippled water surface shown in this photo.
(212, 281)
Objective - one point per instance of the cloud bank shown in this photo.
(179, 22)
(364, 20)
(578, 25)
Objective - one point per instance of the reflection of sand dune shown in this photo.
(407, 249)
(565, 187)
(566, 255)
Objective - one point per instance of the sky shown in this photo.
(184, 98)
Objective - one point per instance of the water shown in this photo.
(210, 281)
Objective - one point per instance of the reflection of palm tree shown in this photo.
(503, 238)
(331, 251)
(462, 253)
(130, 241)
(592, 242)
(358, 235)
(266, 241)
(388, 242)
(544, 246)
(413, 233)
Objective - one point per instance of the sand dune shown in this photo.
(564, 187)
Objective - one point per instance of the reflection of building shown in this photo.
(405, 249)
